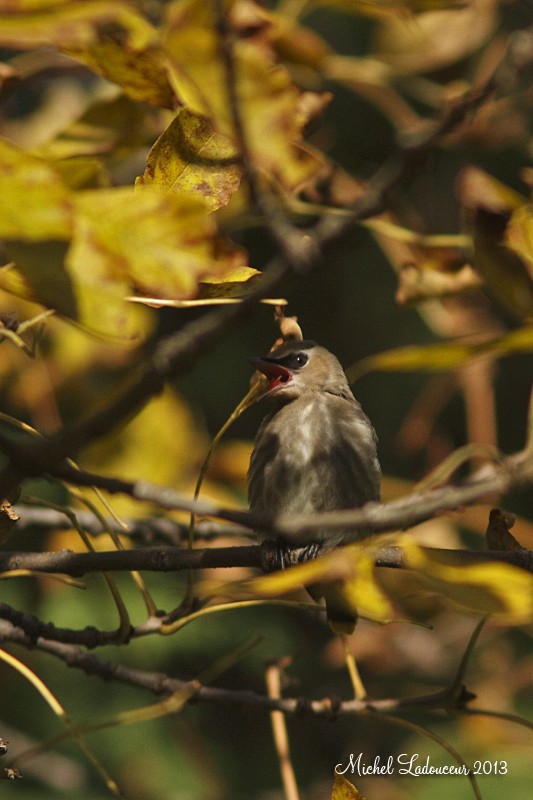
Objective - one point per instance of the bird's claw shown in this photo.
(288, 555)
(283, 554)
(279, 554)
(309, 552)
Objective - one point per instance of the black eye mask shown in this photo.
(293, 361)
(280, 371)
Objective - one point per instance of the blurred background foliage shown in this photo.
(85, 95)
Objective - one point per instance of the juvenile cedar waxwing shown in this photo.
(316, 451)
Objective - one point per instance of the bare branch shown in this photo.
(161, 684)
(172, 559)
(512, 473)
(153, 559)
(146, 531)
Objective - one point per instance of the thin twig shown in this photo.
(163, 685)
(145, 531)
(279, 732)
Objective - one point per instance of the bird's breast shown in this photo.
(314, 454)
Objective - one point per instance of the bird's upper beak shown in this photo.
(277, 374)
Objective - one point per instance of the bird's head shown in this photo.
(302, 367)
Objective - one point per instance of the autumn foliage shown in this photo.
(173, 175)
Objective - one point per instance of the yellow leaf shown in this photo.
(345, 576)
(503, 271)
(436, 39)
(136, 448)
(158, 243)
(31, 23)
(344, 790)
(83, 173)
(107, 127)
(112, 38)
(237, 283)
(121, 240)
(192, 158)
(478, 188)
(519, 235)
(35, 204)
(141, 73)
(442, 355)
(502, 590)
(298, 44)
(40, 276)
(413, 358)
(226, 288)
(273, 110)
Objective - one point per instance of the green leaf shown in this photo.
(190, 157)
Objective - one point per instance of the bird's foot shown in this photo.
(279, 554)
(283, 552)
(276, 554)
(309, 552)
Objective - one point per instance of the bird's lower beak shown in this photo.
(277, 374)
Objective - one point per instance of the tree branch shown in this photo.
(152, 559)
(163, 685)
(171, 559)
(146, 531)
(514, 472)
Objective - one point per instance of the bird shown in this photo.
(315, 451)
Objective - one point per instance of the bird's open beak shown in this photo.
(277, 375)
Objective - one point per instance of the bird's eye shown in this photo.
(293, 361)
(297, 360)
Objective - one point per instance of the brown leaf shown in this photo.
(8, 518)
(498, 535)
(289, 328)
(489, 206)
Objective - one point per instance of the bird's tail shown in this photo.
(342, 616)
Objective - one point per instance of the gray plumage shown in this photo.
(316, 451)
